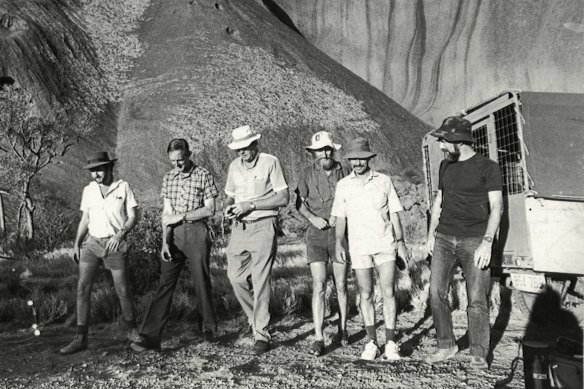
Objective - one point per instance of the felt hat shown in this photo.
(98, 159)
(358, 149)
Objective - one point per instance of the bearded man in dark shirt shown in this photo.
(465, 218)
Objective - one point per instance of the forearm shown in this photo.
(305, 211)
(397, 227)
(82, 230)
(435, 217)
(341, 226)
(279, 200)
(198, 214)
(494, 220)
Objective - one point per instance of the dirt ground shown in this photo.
(188, 361)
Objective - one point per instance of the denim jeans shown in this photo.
(450, 252)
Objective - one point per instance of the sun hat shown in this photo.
(98, 159)
(243, 137)
(321, 140)
(358, 149)
(455, 129)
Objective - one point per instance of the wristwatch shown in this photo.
(253, 206)
(488, 238)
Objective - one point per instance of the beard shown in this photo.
(327, 163)
(455, 155)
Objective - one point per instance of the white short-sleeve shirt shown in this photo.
(367, 206)
(261, 181)
(108, 214)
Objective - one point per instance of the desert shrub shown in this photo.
(105, 306)
(144, 259)
(56, 222)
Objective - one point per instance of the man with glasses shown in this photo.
(314, 199)
(255, 189)
(109, 213)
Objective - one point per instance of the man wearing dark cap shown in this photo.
(188, 193)
(465, 218)
(109, 213)
(314, 199)
(366, 202)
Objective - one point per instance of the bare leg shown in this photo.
(340, 274)
(318, 271)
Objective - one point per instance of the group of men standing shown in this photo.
(353, 220)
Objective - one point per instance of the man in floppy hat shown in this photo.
(465, 218)
(255, 189)
(314, 199)
(366, 202)
(109, 213)
(188, 193)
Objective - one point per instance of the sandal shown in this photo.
(317, 347)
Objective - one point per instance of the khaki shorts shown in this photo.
(370, 260)
(94, 249)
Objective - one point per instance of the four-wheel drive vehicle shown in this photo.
(538, 141)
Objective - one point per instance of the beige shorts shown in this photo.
(370, 260)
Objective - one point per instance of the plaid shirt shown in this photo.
(188, 191)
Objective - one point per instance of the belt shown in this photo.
(105, 238)
(255, 220)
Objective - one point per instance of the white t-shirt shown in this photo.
(108, 214)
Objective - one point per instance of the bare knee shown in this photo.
(318, 287)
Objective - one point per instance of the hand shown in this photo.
(169, 219)
(113, 243)
(430, 244)
(403, 253)
(240, 209)
(482, 255)
(76, 253)
(319, 222)
(340, 253)
(165, 253)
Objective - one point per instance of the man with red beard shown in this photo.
(314, 199)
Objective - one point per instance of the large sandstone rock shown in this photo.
(437, 57)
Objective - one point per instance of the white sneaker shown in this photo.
(371, 351)
(392, 351)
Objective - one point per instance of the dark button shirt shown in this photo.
(317, 189)
(188, 191)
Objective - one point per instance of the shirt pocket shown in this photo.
(195, 195)
(258, 185)
(379, 200)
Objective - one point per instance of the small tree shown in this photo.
(28, 144)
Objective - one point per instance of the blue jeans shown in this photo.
(450, 252)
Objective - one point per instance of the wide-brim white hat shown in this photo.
(242, 137)
(321, 140)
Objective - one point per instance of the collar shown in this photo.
(112, 187)
(372, 173)
(254, 162)
(176, 172)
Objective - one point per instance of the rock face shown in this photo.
(438, 57)
(202, 69)
(210, 67)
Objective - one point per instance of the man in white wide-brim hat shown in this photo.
(109, 213)
(367, 203)
(314, 199)
(255, 189)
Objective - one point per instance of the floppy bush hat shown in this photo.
(358, 149)
(98, 159)
(242, 137)
(455, 129)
